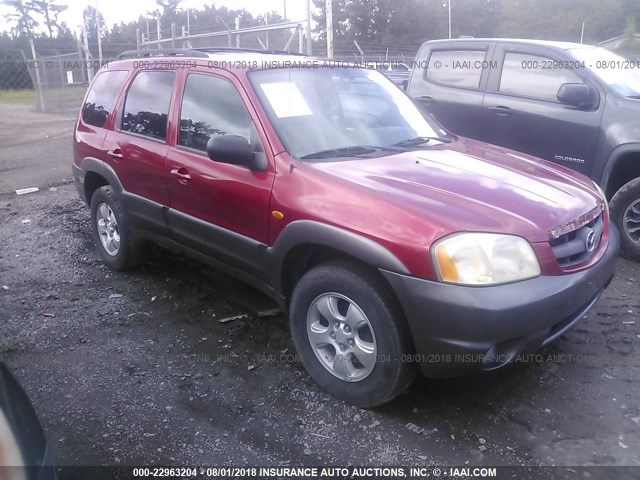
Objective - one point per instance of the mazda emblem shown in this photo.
(590, 241)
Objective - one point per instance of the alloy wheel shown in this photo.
(631, 221)
(341, 337)
(108, 229)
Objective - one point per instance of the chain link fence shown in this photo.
(380, 55)
(33, 141)
(61, 81)
(54, 84)
(57, 82)
(16, 85)
(285, 36)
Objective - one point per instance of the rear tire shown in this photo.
(111, 231)
(350, 334)
(625, 214)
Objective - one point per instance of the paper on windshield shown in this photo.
(286, 99)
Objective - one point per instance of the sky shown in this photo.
(116, 11)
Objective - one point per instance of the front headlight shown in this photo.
(484, 259)
(604, 197)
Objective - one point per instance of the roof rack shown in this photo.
(171, 52)
(196, 52)
(248, 50)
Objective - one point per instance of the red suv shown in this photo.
(390, 243)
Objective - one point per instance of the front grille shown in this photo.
(578, 245)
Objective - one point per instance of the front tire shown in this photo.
(350, 334)
(625, 214)
(111, 231)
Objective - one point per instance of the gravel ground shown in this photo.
(137, 368)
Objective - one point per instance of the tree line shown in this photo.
(39, 20)
(411, 22)
(373, 24)
(404, 23)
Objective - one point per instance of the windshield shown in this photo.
(315, 110)
(622, 75)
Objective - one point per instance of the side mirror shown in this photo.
(575, 94)
(232, 149)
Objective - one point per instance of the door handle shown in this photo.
(115, 153)
(500, 110)
(182, 174)
(426, 100)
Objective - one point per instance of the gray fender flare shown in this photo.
(302, 232)
(613, 160)
(95, 165)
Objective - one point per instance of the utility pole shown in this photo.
(87, 53)
(99, 27)
(158, 27)
(308, 52)
(284, 8)
(237, 34)
(582, 33)
(189, 21)
(449, 2)
(329, 21)
(40, 99)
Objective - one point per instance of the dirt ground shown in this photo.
(137, 368)
(35, 148)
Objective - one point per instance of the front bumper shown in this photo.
(458, 330)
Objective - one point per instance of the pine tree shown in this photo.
(22, 17)
(49, 10)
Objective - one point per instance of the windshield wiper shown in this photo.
(411, 142)
(353, 151)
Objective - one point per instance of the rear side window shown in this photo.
(146, 107)
(456, 68)
(534, 76)
(102, 97)
(211, 106)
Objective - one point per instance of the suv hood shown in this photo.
(472, 186)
